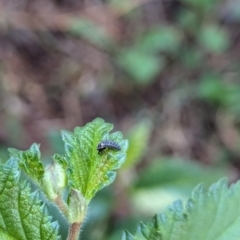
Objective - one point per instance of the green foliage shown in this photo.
(54, 180)
(91, 32)
(72, 179)
(214, 89)
(22, 215)
(77, 205)
(90, 171)
(121, 6)
(170, 178)
(165, 39)
(213, 39)
(202, 4)
(138, 139)
(188, 20)
(185, 58)
(29, 161)
(178, 173)
(141, 60)
(142, 66)
(87, 170)
(207, 215)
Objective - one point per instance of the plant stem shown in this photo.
(62, 206)
(74, 231)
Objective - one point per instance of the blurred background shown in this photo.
(165, 72)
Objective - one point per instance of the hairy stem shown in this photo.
(74, 231)
(62, 206)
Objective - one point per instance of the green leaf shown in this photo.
(91, 32)
(22, 215)
(207, 215)
(138, 142)
(191, 57)
(29, 161)
(142, 66)
(213, 89)
(178, 173)
(90, 171)
(167, 39)
(77, 206)
(201, 4)
(54, 180)
(214, 39)
(171, 178)
(189, 20)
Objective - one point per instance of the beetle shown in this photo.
(107, 144)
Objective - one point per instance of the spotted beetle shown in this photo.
(107, 144)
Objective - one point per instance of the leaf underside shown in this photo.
(22, 214)
(208, 215)
(90, 171)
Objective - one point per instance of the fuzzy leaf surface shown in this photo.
(29, 161)
(22, 215)
(88, 170)
(208, 215)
